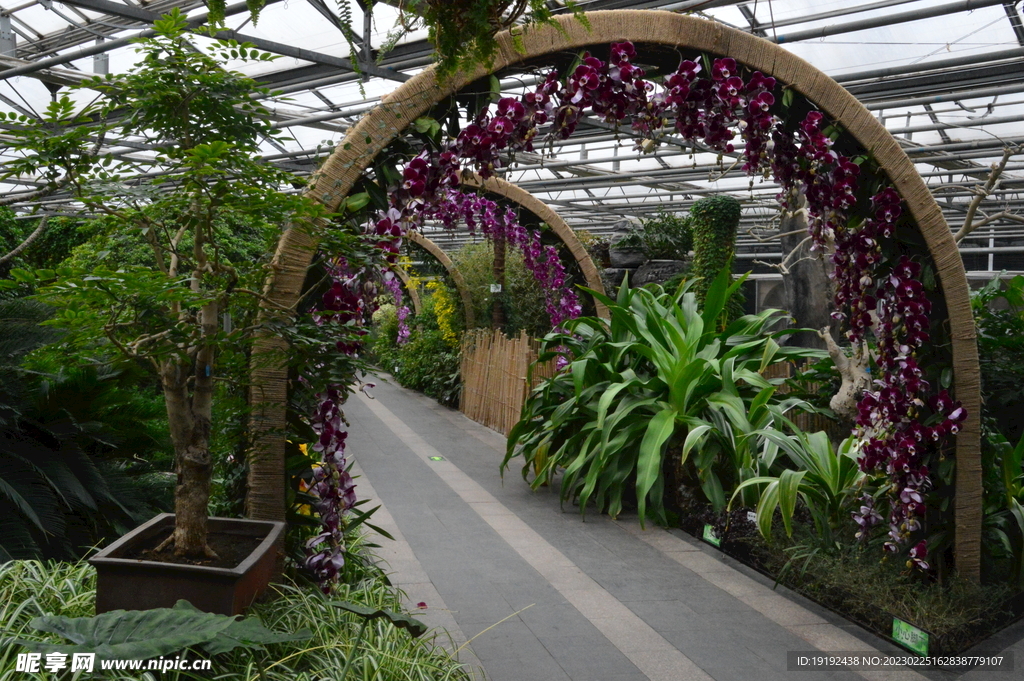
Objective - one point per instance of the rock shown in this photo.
(613, 276)
(619, 231)
(626, 257)
(657, 272)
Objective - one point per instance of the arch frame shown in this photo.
(406, 280)
(397, 110)
(518, 195)
(453, 271)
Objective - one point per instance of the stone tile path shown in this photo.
(530, 592)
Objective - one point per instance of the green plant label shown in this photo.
(437, 458)
(910, 636)
(710, 536)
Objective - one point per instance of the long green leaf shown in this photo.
(659, 430)
(789, 489)
(717, 295)
(415, 627)
(694, 438)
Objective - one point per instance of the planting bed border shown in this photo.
(937, 646)
(377, 129)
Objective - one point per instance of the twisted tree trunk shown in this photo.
(190, 418)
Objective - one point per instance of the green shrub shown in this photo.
(999, 314)
(663, 237)
(656, 375)
(427, 362)
(522, 298)
(383, 339)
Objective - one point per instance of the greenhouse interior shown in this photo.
(519, 340)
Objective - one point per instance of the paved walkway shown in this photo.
(541, 595)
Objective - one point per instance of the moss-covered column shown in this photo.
(714, 221)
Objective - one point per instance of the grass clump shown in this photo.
(854, 582)
(29, 589)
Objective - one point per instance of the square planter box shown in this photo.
(132, 584)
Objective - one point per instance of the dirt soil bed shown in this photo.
(231, 549)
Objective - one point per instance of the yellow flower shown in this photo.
(445, 311)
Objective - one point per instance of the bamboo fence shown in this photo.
(494, 376)
(494, 381)
(805, 421)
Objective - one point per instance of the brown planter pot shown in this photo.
(132, 584)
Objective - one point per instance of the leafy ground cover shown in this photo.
(852, 580)
(30, 589)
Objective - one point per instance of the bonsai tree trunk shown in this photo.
(189, 418)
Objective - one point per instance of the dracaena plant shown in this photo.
(827, 481)
(205, 174)
(656, 372)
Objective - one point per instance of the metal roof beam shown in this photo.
(885, 20)
(197, 20)
(128, 12)
(1015, 22)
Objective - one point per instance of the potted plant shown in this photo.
(193, 194)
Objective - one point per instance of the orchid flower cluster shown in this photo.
(395, 289)
(345, 303)
(334, 489)
(895, 441)
(710, 110)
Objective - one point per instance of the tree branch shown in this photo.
(27, 242)
(763, 240)
(981, 195)
(854, 372)
(59, 184)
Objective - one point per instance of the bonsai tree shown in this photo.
(192, 176)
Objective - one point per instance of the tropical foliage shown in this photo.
(826, 482)
(298, 633)
(657, 373)
(79, 446)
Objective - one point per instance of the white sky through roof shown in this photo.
(621, 188)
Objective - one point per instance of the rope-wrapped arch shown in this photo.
(414, 295)
(453, 271)
(517, 194)
(396, 111)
